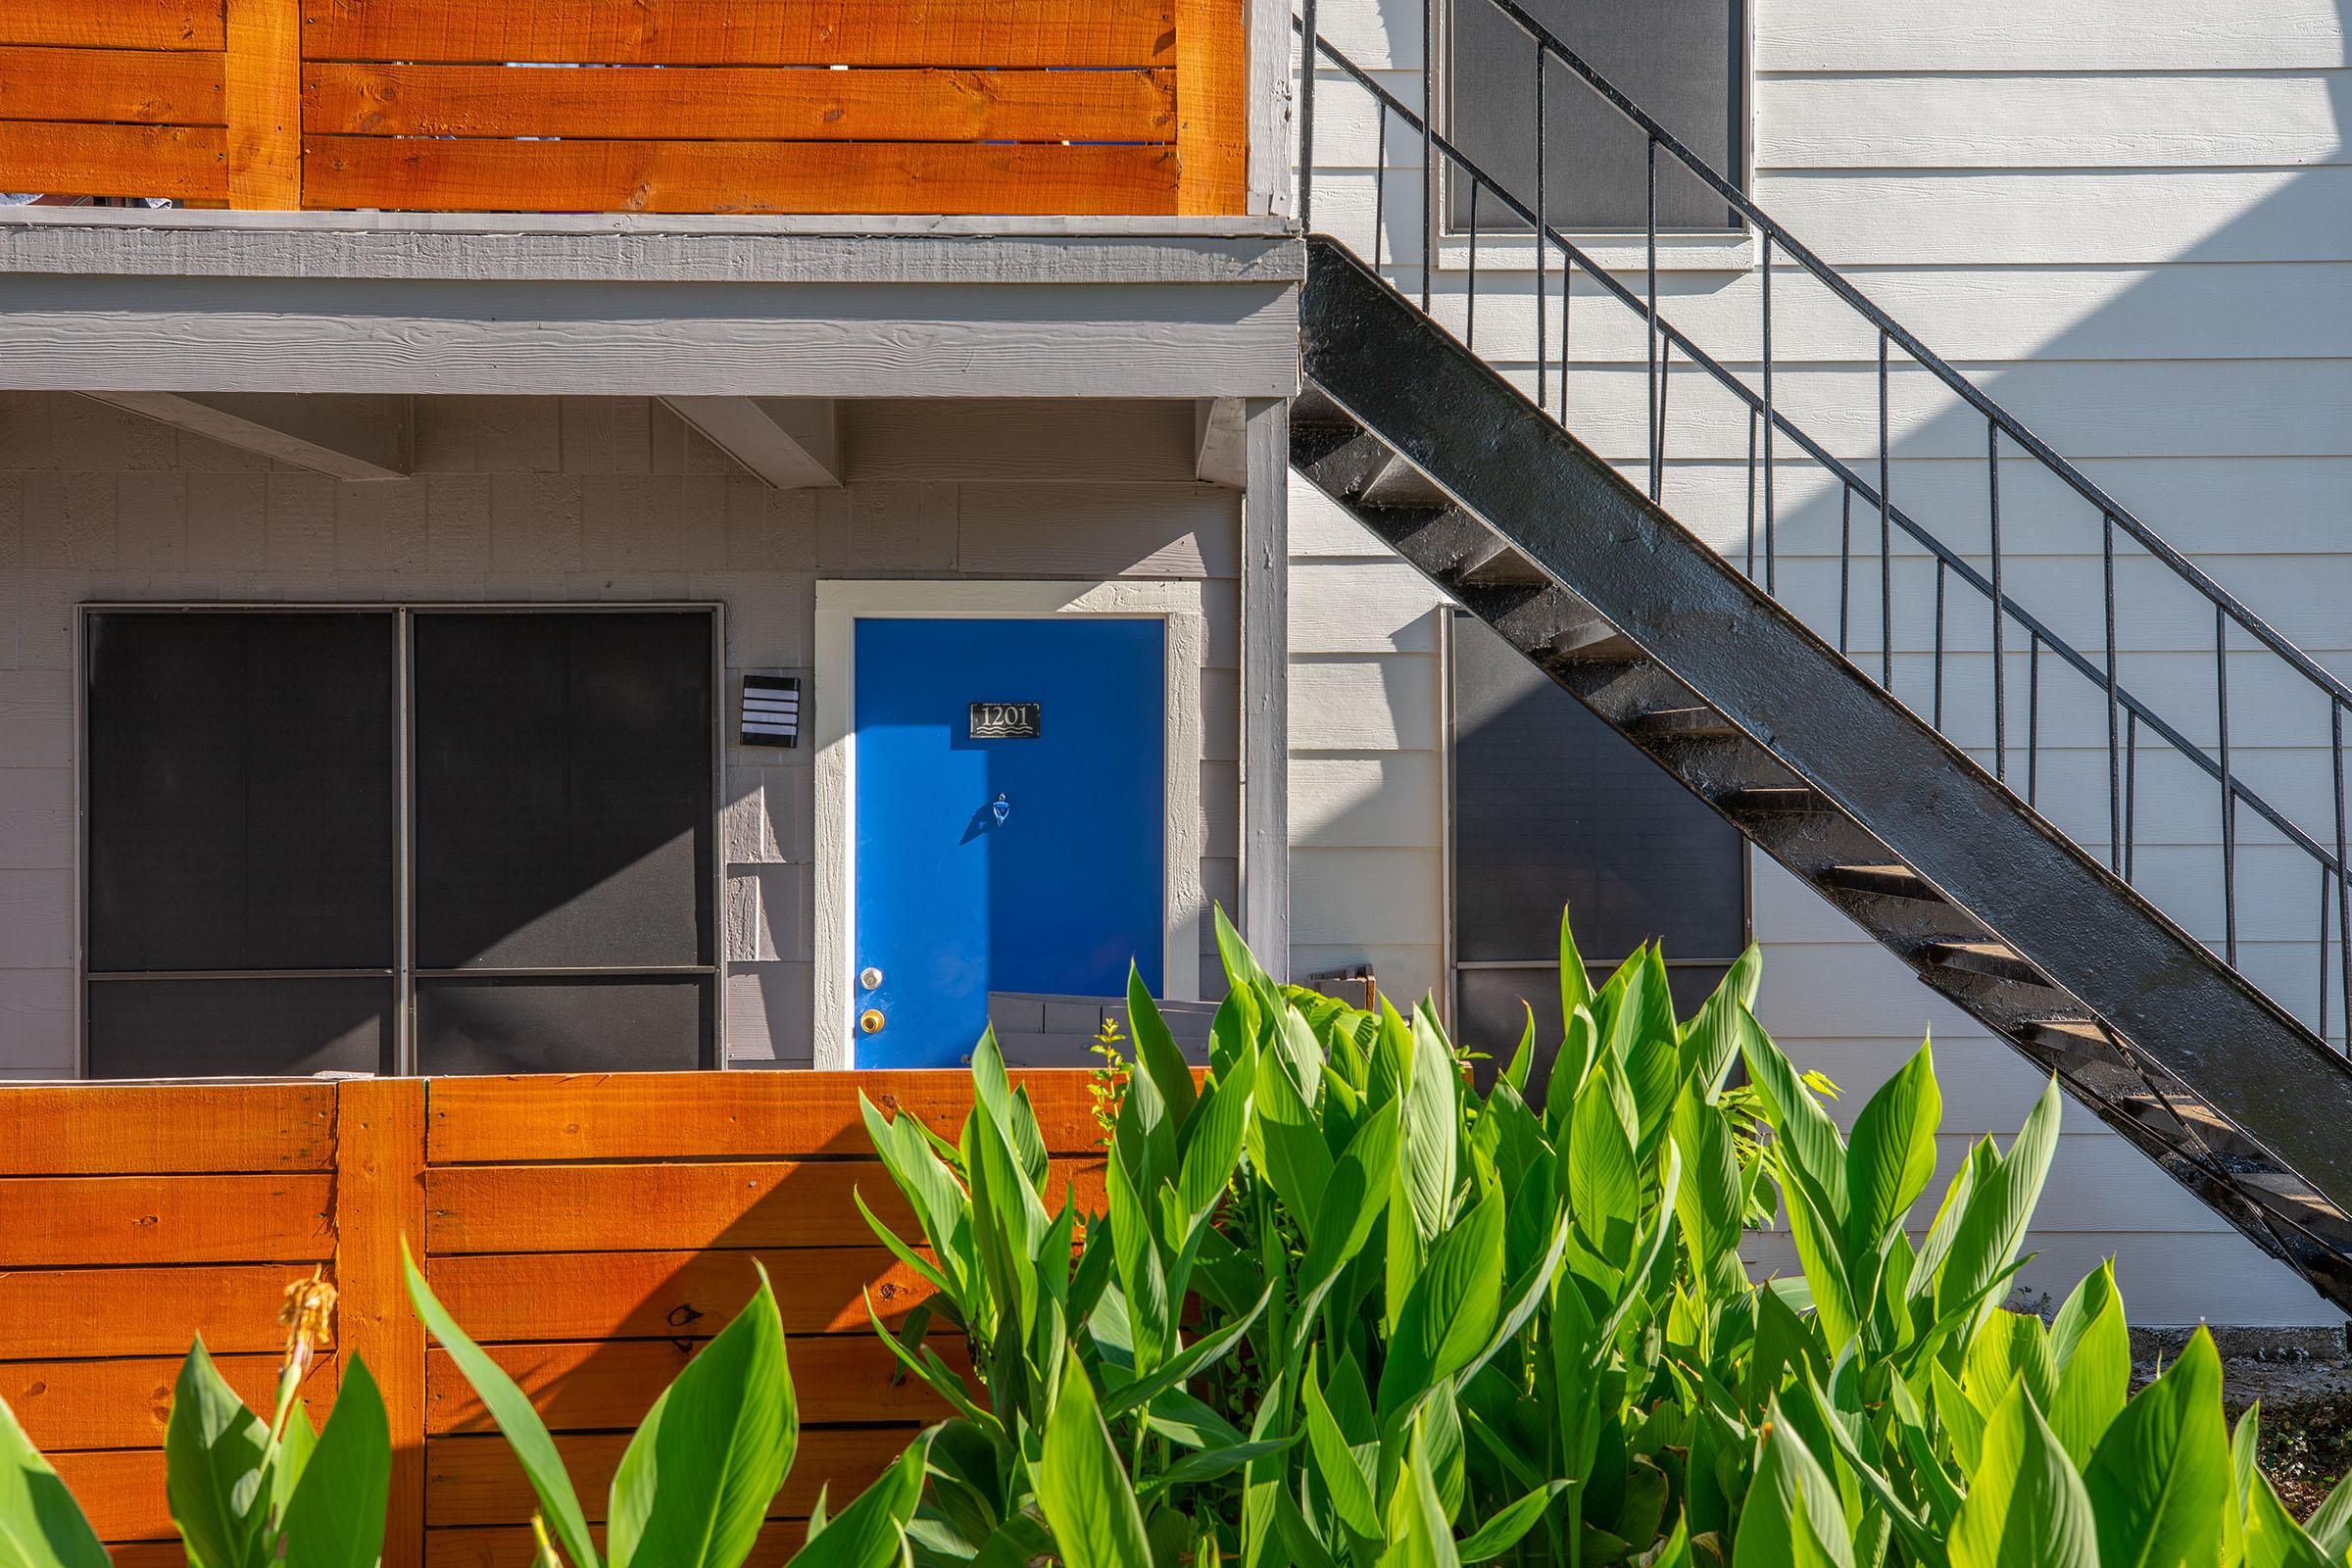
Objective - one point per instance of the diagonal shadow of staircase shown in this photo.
(1810, 758)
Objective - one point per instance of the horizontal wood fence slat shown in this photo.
(990, 107)
(732, 103)
(114, 23)
(148, 86)
(593, 1231)
(508, 1546)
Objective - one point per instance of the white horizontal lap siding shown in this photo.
(2133, 224)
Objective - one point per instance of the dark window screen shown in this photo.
(242, 816)
(564, 790)
(241, 783)
(1682, 61)
(599, 1024)
(1552, 808)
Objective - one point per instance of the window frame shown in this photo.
(403, 615)
(1733, 247)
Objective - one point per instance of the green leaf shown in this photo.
(1157, 1052)
(1788, 1492)
(1818, 1249)
(1988, 1235)
(517, 1420)
(1213, 1141)
(1207, 1465)
(1892, 1156)
(1419, 1536)
(2093, 1348)
(336, 1516)
(1604, 1185)
(696, 1480)
(1081, 1486)
(2273, 1537)
(1811, 1148)
(2331, 1524)
(870, 1532)
(2026, 1506)
(1432, 1127)
(1450, 1310)
(2159, 1477)
(213, 1448)
(1202, 1352)
(41, 1526)
(1353, 1201)
(1508, 1523)
(1334, 1458)
(295, 1447)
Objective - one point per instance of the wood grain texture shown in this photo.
(142, 1311)
(86, 160)
(764, 32)
(509, 1545)
(1213, 113)
(678, 1208)
(728, 103)
(56, 1221)
(113, 24)
(147, 87)
(261, 73)
(380, 1202)
(593, 1296)
(476, 1481)
(607, 1386)
(708, 1115)
(130, 1129)
(126, 1403)
(735, 176)
(120, 1492)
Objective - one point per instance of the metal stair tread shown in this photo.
(1683, 724)
(1891, 881)
(1995, 961)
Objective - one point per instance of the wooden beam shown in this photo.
(262, 75)
(1220, 442)
(380, 1205)
(348, 436)
(791, 443)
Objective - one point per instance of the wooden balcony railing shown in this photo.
(1014, 107)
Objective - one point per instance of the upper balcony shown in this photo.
(1101, 109)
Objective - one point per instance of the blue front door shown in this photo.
(1010, 830)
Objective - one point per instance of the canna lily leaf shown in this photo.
(1892, 1154)
(1202, 1353)
(1344, 1476)
(213, 1450)
(2273, 1537)
(41, 1526)
(1810, 1147)
(336, 1516)
(1450, 1310)
(696, 1480)
(1418, 1534)
(1157, 1052)
(870, 1532)
(1513, 1520)
(1082, 1487)
(1789, 1494)
(1987, 1237)
(2159, 1477)
(1432, 1127)
(517, 1421)
(2093, 1348)
(2026, 1506)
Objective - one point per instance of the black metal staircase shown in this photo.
(1695, 655)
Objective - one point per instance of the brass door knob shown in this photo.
(870, 1021)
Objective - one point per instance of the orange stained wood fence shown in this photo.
(1012, 107)
(592, 1232)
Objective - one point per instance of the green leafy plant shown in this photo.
(1342, 1309)
(695, 1481)
(244, 1492)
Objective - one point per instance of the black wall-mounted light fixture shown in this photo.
(772, 711)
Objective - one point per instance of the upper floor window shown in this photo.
(1684, 61)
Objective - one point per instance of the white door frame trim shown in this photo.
(841, 603)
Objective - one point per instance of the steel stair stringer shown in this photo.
(1988, 903)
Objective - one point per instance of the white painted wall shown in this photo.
(2132, 223)
(578, 499)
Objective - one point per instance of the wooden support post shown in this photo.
(1212, 112)
(379, 1198)
(262, 89)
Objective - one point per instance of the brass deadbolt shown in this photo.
(870, 1021)
(869, 978)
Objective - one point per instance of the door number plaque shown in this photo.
(1008, 721)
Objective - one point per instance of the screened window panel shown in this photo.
(1682, 61)
(241, 792)
(1553, 808)
(277, 1027)
(564, 795)
(600, 1024)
